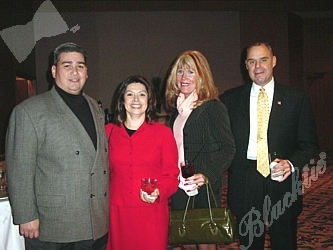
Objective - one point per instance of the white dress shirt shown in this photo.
(252, 146)
(269, 89)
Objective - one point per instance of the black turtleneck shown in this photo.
(130, 132)
(79, 105)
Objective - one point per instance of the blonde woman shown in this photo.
(201, 127)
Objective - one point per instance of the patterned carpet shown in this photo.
(315, 224)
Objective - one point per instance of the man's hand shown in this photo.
(30, 229)
(283, 168)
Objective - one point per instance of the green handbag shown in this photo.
(202, 226)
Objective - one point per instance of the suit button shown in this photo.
(92, 195)
(104, 171)
(105, 150)
(77, 152)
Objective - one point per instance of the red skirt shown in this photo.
(139, 228)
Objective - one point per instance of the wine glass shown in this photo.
(148, 185)
(187, 169)
(272, 157)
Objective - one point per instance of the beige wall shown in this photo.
(120, 44)
(300, 34)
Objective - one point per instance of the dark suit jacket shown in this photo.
(291, 133)
(209, 143)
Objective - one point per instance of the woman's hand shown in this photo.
(149, 198)
(197, 179)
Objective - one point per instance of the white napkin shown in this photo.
(182, 185)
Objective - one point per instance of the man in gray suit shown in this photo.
(57, 161)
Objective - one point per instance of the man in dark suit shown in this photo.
(256, 199)
(57, 161)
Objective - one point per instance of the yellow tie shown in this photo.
(262, 123)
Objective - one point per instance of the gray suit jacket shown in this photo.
(54, 172)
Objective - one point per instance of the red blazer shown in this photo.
(150, 152)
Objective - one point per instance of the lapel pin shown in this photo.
(279, 103)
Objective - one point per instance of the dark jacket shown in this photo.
(209, 143)
(291, 132)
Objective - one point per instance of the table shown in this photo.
(9, 233)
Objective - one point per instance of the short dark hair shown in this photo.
(258, 44)
(120, 111)
(67, 47)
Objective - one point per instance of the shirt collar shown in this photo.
(269, 88)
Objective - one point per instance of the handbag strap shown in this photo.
(213, 228)
(209, 190)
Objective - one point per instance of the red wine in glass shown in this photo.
(148, 185)
(187, 169)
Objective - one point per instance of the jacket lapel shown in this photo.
(245, 102)
(196, 113)
(277, 108)
(73, 124)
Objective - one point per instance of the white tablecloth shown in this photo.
(10, 239)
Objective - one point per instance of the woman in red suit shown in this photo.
(139, 147)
